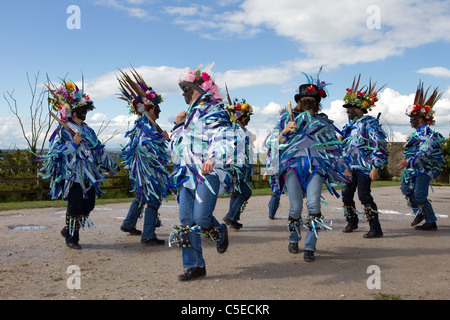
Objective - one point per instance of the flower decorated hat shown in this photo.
(314, 88)
(237, 110)
(200, 81)
(423, 106)
(363, 98)
(137, 93)
(67, 98)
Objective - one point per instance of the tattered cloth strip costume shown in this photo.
(313, 148)
(146, 154)
(424, 157)
(365, 149)
(240, 113)
(424, 154)
(146, 157)
(365, 144)
(206, 133)
(243, 157)
(423, 149)
(67, 163)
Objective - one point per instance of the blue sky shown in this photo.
(259, 48)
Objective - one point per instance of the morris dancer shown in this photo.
(365, 150)
(309, 155)
(242, 178)
(424, 158)
(146, 157)
(202, 155)
(75, 161)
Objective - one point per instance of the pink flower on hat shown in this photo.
(205, 76)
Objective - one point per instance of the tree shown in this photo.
(41, 121)
(446, 149)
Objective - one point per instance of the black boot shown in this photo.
(372, 234)
(308, 256)
(417, 219)
(223, 246)
(351, 217)
(132, 231)
(371, 215)
(192, 273)
(349, 228)
(293, 247)
(427, 226)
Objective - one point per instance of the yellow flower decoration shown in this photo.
(70, 85)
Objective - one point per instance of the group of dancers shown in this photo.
(210, 149)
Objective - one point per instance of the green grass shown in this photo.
(62, 204)
(386, 296)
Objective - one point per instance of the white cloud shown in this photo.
(254, 77)
(435, 71)
(162, 79)
(98, 117)
(330, 32)
(392, 106)
(271, 109)
(128, 6)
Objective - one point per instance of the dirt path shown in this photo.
(114, 265)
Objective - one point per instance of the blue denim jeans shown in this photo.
(237, 199)
(295, 193)
(196, 208)
(150, 215)
(274, 203)
(417, 191)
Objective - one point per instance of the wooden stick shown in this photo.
(62, 123)
(290, 112)
(158, 128)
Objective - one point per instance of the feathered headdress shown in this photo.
(68, 97)
(137, 93)
(423, 106)
(363, 98)
(314, 88)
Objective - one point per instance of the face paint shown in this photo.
(245, 120)
(351, 113)
(308, 104)
(188, 92)
(81, 113)
(414, 121)
(157, 110)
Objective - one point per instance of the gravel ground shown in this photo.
(409, 264)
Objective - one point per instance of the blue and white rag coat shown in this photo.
(244, 154)
(365, 144)
(207, 132)
(66, 162)
(146, 157)
(313, 148)
(424, 154)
